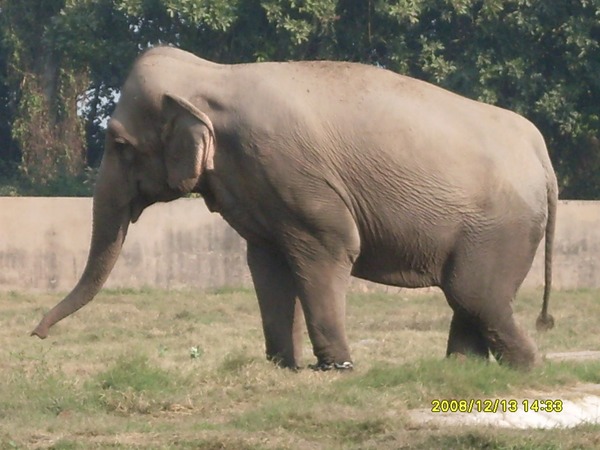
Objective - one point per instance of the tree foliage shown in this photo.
(63, 57)
(42, 88)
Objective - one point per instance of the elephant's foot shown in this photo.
(465, 338)
(284, 363)
(325, 367)
(475, 348)
(281, 312)
(505, 340)
(519, 360)
(457, 356)
(515, 349)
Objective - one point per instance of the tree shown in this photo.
(96, 37)
(8, 151)
(44, 122)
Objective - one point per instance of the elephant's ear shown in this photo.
(189, 140)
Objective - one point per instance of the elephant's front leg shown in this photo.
(322, 273)
(322, 287)
(279, 306)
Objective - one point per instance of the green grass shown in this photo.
(184, 369)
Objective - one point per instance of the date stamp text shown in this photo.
(497, 405)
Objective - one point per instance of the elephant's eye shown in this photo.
(124, 149)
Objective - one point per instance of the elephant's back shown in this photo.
(394, 140)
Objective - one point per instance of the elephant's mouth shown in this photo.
(137, 207)
(142, 200)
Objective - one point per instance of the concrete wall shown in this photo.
(44, 244)
(576, 262)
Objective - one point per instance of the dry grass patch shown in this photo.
(183, 369)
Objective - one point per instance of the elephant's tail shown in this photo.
(545, 321)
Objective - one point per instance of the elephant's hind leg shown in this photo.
(466, 338)
(510, 344)
(482, 281)
(280, 309)
(492, 326)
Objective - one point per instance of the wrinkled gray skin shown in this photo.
(330, 170)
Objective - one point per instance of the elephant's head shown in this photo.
(157, 147)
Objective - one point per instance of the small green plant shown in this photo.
(196, 352)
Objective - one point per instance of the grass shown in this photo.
(185, 369)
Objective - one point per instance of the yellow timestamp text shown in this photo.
(496, 405)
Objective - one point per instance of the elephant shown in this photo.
(330, 170)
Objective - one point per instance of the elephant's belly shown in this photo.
(393, 271)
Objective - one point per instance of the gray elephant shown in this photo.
(333, 169)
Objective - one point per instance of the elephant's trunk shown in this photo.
(110, 222)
